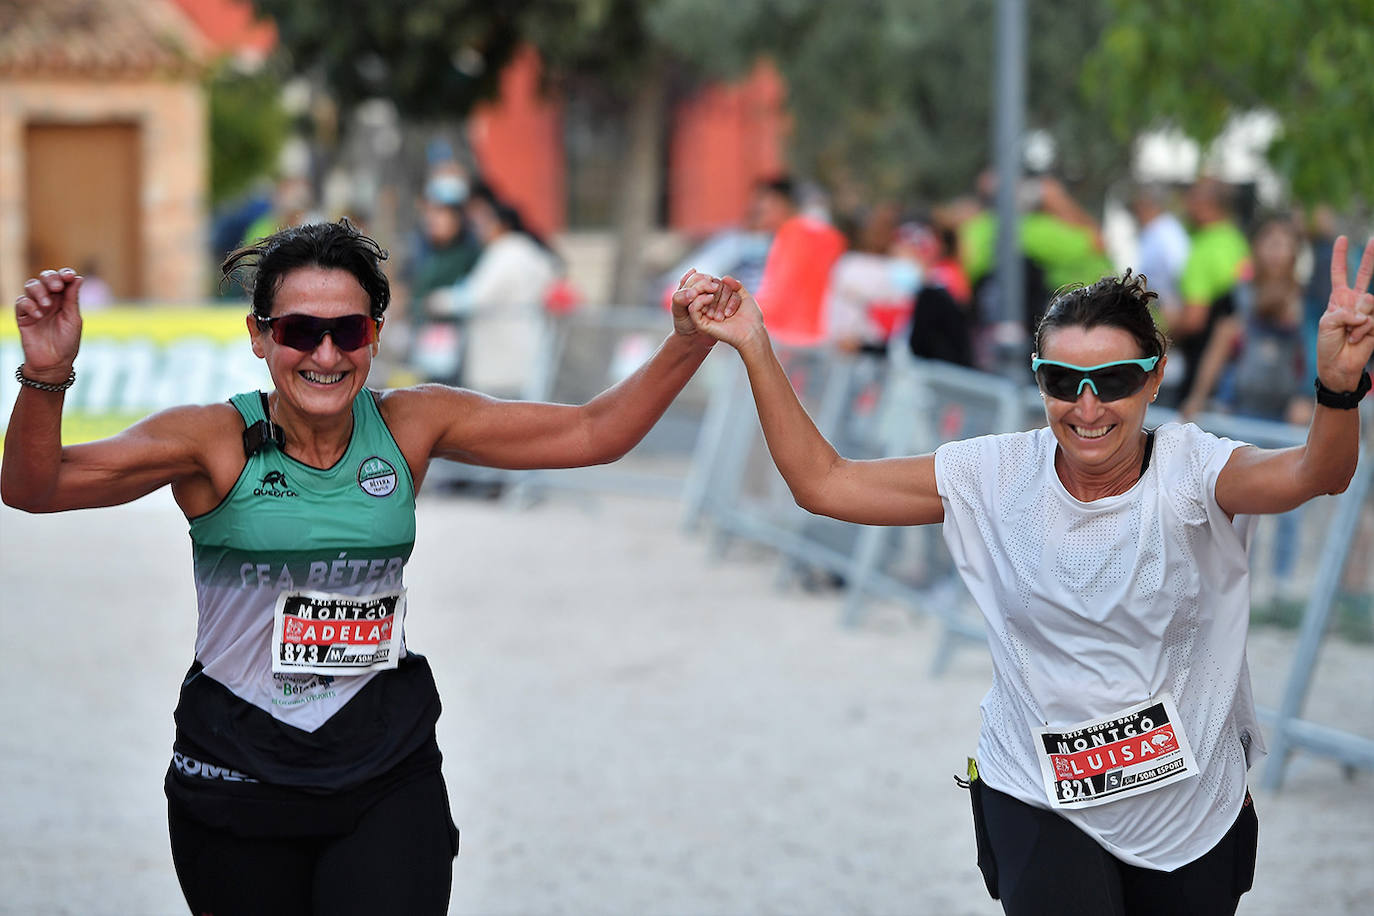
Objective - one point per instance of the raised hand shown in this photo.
(1345, 335)
(49, 324)
(733, 317)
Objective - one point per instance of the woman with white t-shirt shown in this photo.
(503, 298)
(1110, 564)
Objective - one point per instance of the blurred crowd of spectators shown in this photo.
(1241, 307)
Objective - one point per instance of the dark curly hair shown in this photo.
(1115, 302)
(262, 266)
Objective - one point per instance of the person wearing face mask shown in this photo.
(450, 248)
(1110, 565)
(305, 774)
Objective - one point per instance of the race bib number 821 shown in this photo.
(1134, 751)
(321, 633)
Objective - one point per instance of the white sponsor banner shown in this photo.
(138, 360)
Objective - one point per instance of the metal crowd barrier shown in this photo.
(1292, 732)
(733, 482)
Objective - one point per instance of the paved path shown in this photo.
(630, 727)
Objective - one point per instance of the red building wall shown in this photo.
(518, 142)
(722, 140)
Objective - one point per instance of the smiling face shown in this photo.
(1097, 437)
(320, 384)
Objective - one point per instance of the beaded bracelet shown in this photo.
(23, 379)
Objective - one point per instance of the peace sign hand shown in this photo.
(1345, 335)
(49, 324)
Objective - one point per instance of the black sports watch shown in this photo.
(1343, 400)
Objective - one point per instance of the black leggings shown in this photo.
(398, 858)
(1037, 862)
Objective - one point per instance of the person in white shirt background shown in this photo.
(501, 301)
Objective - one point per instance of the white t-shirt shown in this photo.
(504, 297)
(1093, 607)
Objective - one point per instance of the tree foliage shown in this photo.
(434, 59)
(1191, 66)
(247, 129)
(439, 58)
(893, 98)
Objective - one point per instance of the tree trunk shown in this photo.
(637, 206)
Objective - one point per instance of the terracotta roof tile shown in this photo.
(96, 37)
(231, 25)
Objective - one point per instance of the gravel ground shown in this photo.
(631, 726)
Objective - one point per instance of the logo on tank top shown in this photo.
(274, 484)
(377, 477)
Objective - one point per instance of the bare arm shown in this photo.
(442, 422)
(888, 491)
(38, 473)
(471, 427)
(1276, 480)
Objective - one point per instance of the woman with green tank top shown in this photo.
(305, 729)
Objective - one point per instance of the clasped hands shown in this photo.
(720, 307)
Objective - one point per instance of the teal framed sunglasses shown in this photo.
(1109, 381)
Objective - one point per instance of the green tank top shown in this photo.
(287, 527)
(288, 516)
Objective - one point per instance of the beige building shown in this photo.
(103, 145)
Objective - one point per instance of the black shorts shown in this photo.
(388, 852)
(1037, 862)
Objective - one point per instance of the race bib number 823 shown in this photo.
(322, 633)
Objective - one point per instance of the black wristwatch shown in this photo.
(1343, 400)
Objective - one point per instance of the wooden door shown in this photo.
(82, 186)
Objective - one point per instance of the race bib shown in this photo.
(320, 633)
(1132, 752)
